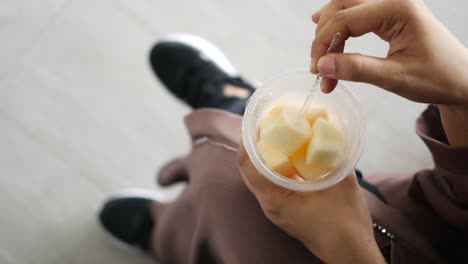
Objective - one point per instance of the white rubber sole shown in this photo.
(207, 49)
(127, 193)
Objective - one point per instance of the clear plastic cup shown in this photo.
(293, 87)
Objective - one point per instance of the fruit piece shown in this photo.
(312, 113)
(307, 171)
(274, 159)
(271, 117)
(283, 131)
(315, 112)
(326, 145)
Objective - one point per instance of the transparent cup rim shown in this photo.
(295, 185)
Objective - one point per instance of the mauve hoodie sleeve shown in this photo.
(446, 186)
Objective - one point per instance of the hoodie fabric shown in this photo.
(424, 218)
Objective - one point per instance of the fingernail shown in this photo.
(326, 65)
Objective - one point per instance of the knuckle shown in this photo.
(271, 210)
(317, 30)
(314, 43)
(316, 47)
(277, 216)
(357, 70)
(271, 206)
(317, 43)
(340, 16)
(338, 2)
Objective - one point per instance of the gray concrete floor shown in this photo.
(81, 116)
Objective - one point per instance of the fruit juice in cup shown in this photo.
(291, 89)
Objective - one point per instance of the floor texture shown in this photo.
(81, 116)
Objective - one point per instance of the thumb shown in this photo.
(174, 171)
(358, 68)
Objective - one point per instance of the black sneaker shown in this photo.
(194, 70)
(126, 219)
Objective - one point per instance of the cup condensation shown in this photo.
(292, 88)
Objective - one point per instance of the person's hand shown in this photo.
(333, 223)
(425, 62)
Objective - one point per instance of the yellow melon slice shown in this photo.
(275, 159)
(326, 145)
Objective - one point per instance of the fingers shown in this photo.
(326, 13)
(173, 172)
(338, 49)
(330, 9)
(358, 68)
(316, 17)
(328, 85)
(352, 22)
